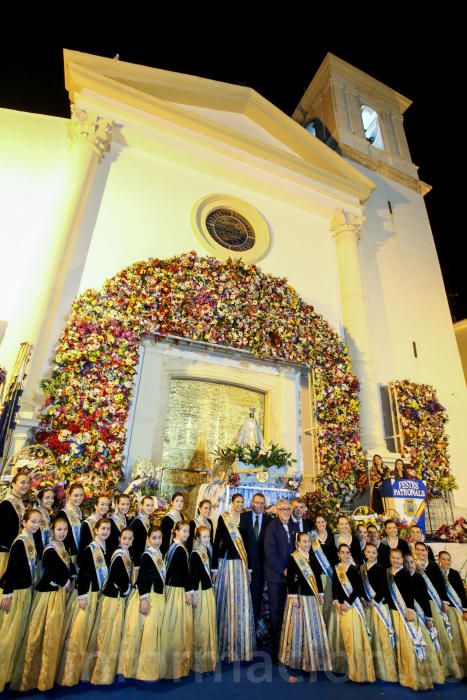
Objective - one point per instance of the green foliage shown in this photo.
(271, 455)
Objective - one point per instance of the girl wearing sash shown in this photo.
(146, 609)
(204, 656)
(201, 520)
(173, 517)
(325, 552)
(410, 648)
(457, 611)
(344, 536)
(140, 526)
(436, 587)
(378, 617)
(349, 636)
(177, 625)
(231, 577)
(17, 584)
(45, 501)
(101, 509)
(11, 516)
(119, 521)
(40, 652)
(92, 576)
(107, 634)
(304, 640)
(429, 632)
(72, 514)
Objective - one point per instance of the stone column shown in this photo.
(89, 139)
(346, 229)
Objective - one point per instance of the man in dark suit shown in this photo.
(298, 522)
(279, 543)
(252, 528)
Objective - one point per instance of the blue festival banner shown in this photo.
(407, 497)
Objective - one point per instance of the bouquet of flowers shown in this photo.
(457, 532)
(293, 481)
(268, 456)
(234, 480)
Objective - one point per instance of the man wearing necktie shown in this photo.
(279, 543)
(252, 528)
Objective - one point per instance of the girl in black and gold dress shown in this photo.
(304, 640)
(201, 519)
(72, 514)
(40, 651)
(107, 634)
(169, 521)
(93, 573)
(150, 600)
(17, 584)
(11, 516)
(349, 635)
(177, 626)
(204, 656)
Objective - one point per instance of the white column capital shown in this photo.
(85, 128)
(345, 222)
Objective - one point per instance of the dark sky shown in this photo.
(32, 80)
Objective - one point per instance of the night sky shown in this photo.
(32, 80)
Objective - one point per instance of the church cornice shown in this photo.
(111, 80)
(386, 170)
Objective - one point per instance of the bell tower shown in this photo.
(362, 118)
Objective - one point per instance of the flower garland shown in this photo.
(224, 302)
(425, 443)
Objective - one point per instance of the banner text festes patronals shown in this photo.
(410, 489)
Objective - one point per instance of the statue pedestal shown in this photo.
(274, 477)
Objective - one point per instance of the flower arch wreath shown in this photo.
(225, 302)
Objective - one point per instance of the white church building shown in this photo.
(329, 198)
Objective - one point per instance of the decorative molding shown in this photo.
(344, 222)
(94, 130)
(386, 170)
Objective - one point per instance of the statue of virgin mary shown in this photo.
(250, 434)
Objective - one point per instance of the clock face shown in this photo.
(230, 229)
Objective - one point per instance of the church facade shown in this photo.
(154, 164)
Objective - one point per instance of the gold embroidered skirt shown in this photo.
(412, 673)
(130, 647)
(40, 651)
(13, 626)
(176, 634)
(384, 657)
(204, 632)
(104, 645)
(459, 638)
(432, 665)
(350, 646)
(4, 556)
(327, 588)
(149, 661)
(304, 640)
(235, 623)
(77, 640)
(448, 656)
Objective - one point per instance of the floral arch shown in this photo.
(225, 302)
